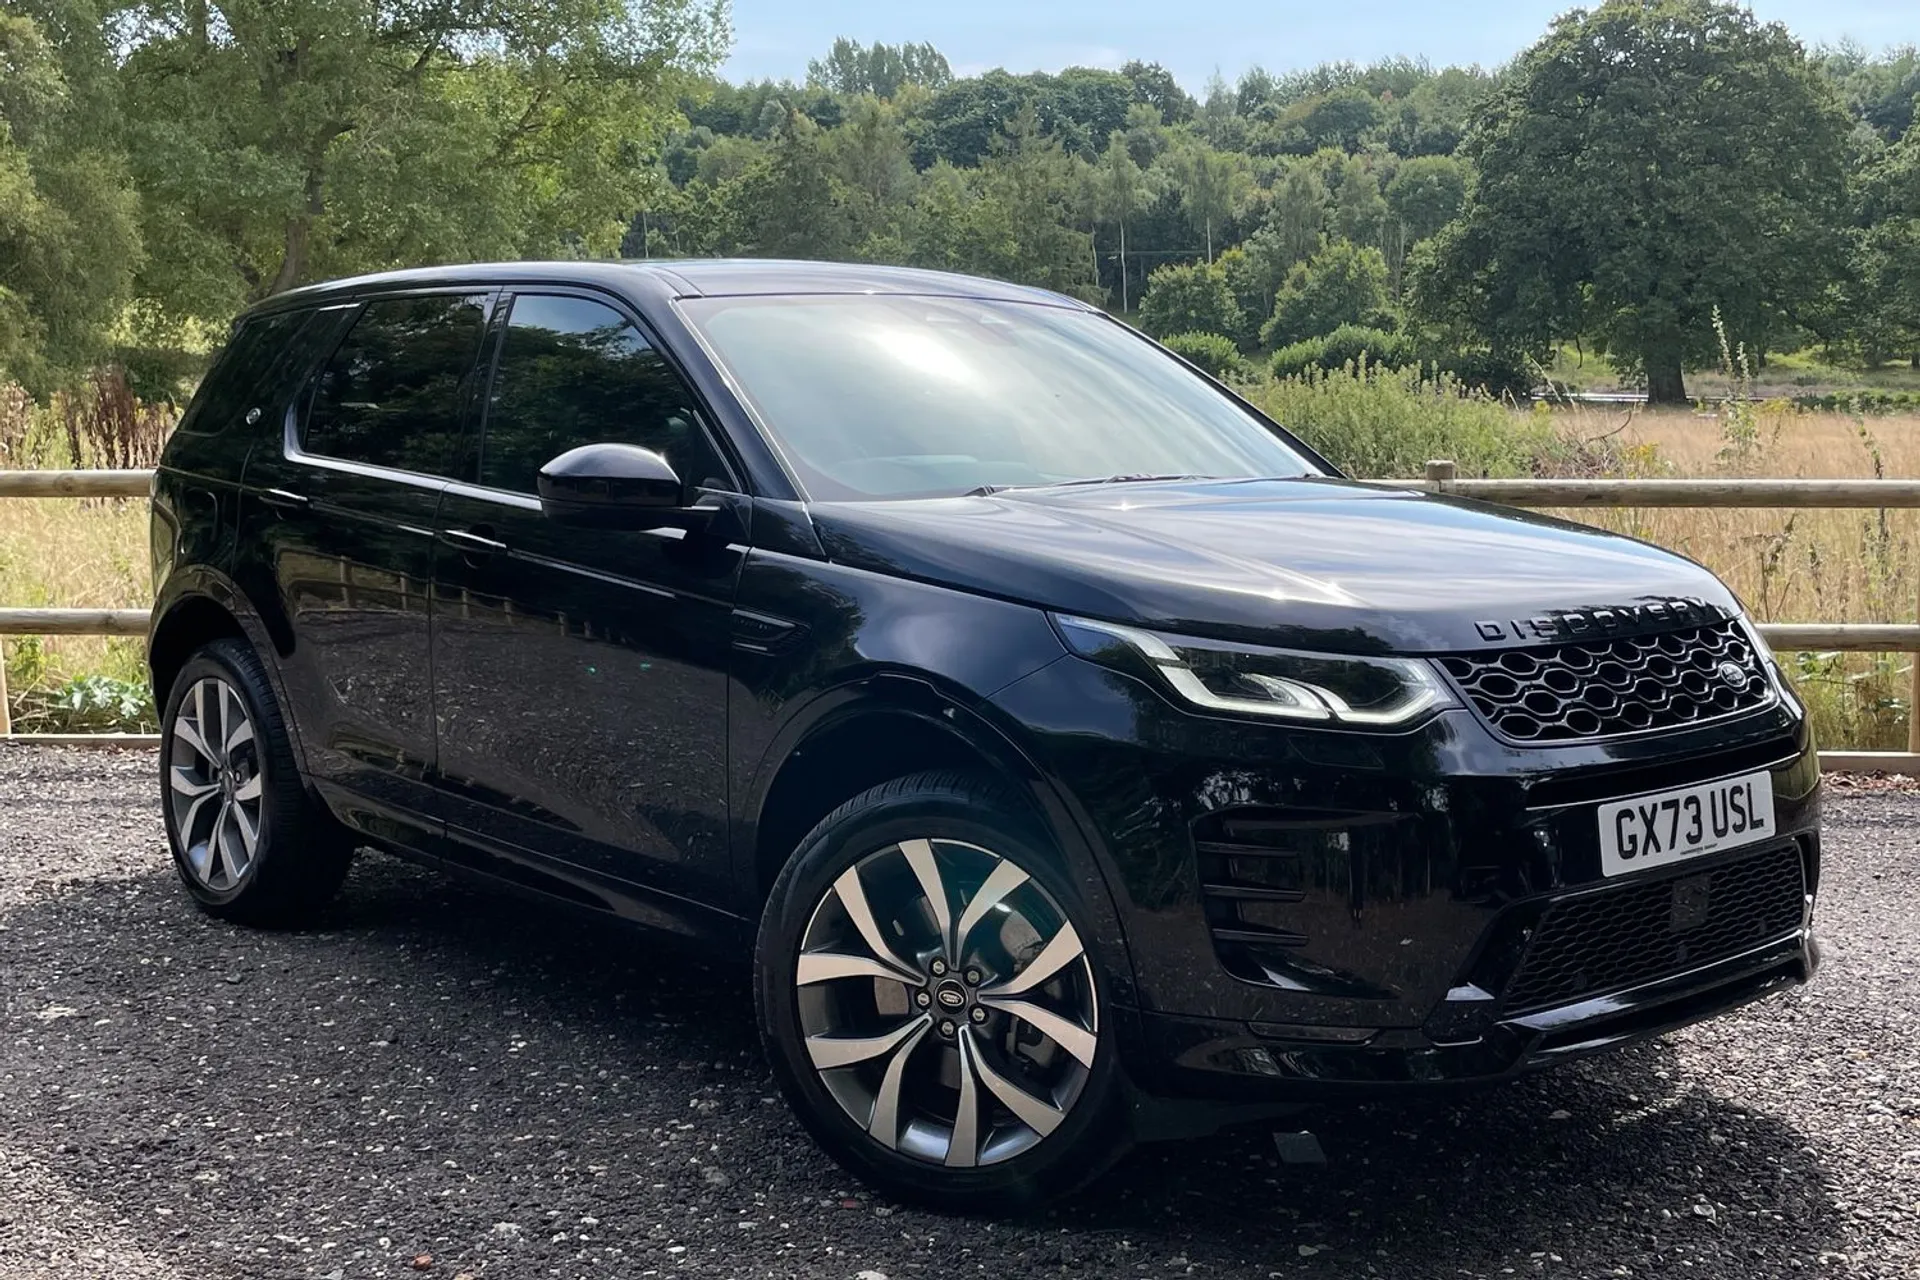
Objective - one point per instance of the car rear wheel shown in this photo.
(249, 843)
(930, 1005)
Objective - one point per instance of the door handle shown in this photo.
(474, 541)
(285, 499)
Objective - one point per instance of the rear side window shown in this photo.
(392, 394)
(573, 371)
(242, 378)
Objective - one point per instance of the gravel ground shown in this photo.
(439, 1081)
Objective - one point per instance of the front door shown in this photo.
(579, 675)
(343, 513)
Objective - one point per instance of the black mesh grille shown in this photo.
(1642, 931)
(1605, 688)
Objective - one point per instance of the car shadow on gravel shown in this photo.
(435, 1069)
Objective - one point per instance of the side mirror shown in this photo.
(613, 486)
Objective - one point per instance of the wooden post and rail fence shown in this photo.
(1849, 637)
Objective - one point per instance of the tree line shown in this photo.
(1647, 177)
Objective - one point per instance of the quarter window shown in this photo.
(391, 395)
(239, 379)
(573, 372)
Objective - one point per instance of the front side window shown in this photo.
(573, 371)
(391, 396)
(876, 396)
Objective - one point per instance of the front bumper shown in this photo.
(1310, 911)
(1214, 1058)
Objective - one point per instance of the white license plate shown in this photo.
(1672, 826)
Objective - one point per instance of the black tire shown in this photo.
(300, 854)
(939, 807)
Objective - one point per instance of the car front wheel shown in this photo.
(929, 1002)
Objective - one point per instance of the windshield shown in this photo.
(893, 397)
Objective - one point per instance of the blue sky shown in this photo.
(776, 37)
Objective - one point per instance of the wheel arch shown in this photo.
(888, 727)
(190, 622)
(200, 604)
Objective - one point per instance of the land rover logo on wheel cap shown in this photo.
(1732, 672)
(951, 997)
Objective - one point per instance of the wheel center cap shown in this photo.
(951, 995)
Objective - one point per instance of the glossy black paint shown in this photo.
(645, 720)
(1290, 563)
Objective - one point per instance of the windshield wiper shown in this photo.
(987, 489)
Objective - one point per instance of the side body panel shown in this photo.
(579, 682)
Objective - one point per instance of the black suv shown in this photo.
(1081, 757)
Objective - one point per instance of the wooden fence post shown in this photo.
(6, 715)
(1913, 705)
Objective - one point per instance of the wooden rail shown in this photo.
(1441, 477)
(76, 484)
(1672, 493)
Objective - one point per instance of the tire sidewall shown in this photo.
(1095, 1131)
(212, 661)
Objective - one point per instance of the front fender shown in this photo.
(823, 646)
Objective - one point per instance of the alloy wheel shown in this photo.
(214, 784)
(947, 1002)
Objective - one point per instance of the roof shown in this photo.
(691, 277)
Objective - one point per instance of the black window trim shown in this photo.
(302, 403)
(499, 322)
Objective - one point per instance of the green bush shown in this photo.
(1353, 342)
(1296, 358)
(1498, 376)
(1344, 346)
(1189, 297)
(1373, 421)
(1479, 371)
(1213, 352)
(1343, 284)
(1864, 400)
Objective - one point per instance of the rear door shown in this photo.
(343, 515)
(580, 674)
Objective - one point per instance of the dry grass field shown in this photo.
(1790, 566)
(71, 553)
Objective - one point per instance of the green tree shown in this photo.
(1359, 212)
(1344, 283)
(1154, 86)
(960, 227)
(851, 68)
(1209, 181)
(1647, 162)
(873, 163)
(1117, 189)
(1255, 269)
(275, 143)
(1879, 91)
(69, 236)
(1298, 213)
(791, 204)
(1189, 297)
(1344, 119)
(1883, 313)
(1424, 195)
(1031, 177)
(1431, 119)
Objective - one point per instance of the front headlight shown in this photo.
(1248, 680)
